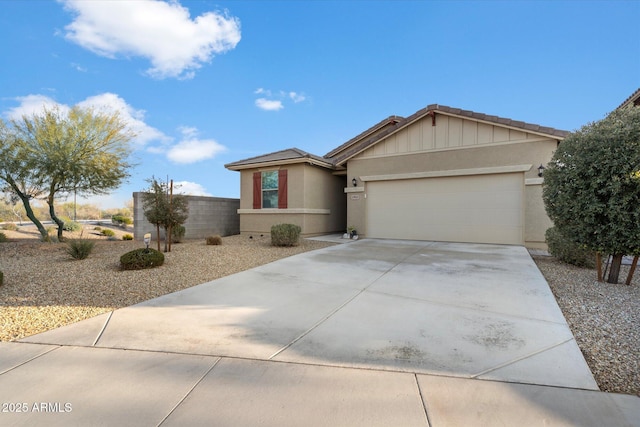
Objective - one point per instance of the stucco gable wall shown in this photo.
(448, 133)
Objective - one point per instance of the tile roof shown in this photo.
(289, 154)
(339, 155)
(391, 120)
(634, 99)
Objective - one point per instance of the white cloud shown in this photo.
(192, 150)
(162, 32)
(79, 67)
(269, 105)
(297, 97)
(271, 101)
(108, 102)
(190, 188)
(33, 104)
(135, 118)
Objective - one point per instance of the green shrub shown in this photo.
(214, 240)
(97, 228)
(72, 226)
(139, 259)
(10, 227)
(3, 237)
(121, 220)
(568, 251)
(285, 235)
(80, 248)
(107, 232)
(177, 233)
(127, 237)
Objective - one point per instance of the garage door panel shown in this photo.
(484, 208)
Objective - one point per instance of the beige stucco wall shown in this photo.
(315, 202)
(535, 217)
(454, 144)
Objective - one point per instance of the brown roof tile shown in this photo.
(634, 99)
(276, 156)
(384, 128)
(391, 120)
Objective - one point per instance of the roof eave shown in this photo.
(274, 163)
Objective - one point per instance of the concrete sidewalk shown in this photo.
(374, 332)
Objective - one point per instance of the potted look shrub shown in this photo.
(351, 233)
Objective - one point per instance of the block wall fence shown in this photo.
(207, 216)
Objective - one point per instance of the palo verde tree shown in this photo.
(164, 209)
(591, 187)
(82, 151)
(20, 177)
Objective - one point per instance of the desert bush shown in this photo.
(567, 250)
(214, 240)
(3, 237)
(72, 226)
(10, 227)
(80, 248)
(285, 235)
(127, 237)
(177, 233)
(96, 228)
(107, 232)
(141, 258)
(121, 220)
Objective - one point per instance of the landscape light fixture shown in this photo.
(354, 182)
(541, 168)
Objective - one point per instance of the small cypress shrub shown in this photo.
(80, 248)
(141, 258)
(214, 240)
(108, 232)
(127, 237)
(177, 233)
(3, 237)
(567, 250)
(285, 235)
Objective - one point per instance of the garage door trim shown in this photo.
(446, 173)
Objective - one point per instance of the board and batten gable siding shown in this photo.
(448, 133)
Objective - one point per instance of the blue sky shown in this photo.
(205, 83)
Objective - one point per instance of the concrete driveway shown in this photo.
(373, 332)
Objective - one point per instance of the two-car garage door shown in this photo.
(476, 208)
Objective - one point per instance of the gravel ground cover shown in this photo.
(45, 289)
(604, 318)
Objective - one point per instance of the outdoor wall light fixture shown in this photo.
(541, 169)
(354, 182)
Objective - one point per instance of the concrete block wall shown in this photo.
(207, 216)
